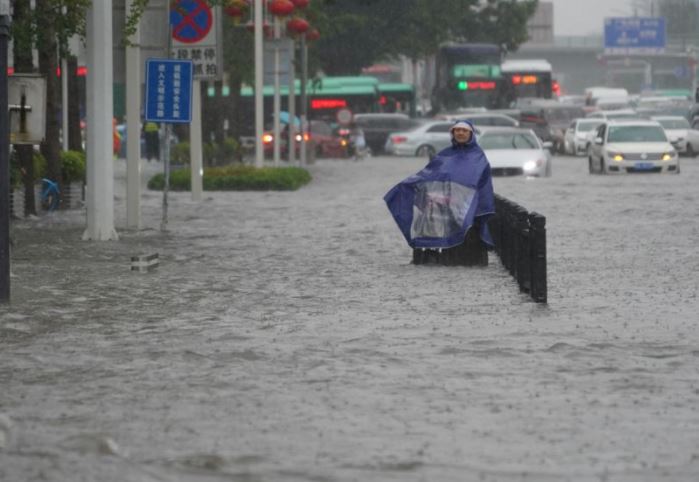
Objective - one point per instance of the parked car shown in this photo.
(513, 151)
(631, 146)
(423, 140)
(549, 121)
(680, 134)
(377, 127)
(578, 136)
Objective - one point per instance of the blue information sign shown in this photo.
(169, 90)
(634, 35)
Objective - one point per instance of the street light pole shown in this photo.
(4, 157)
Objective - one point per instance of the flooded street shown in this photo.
(286, 336)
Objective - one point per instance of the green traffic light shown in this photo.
(463, 85)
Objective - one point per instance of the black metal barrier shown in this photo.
(520, 242)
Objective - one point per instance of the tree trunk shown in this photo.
(22, 53)
(47, 46)
(75, 141)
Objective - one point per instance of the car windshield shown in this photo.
(516, 140)
(587, 126)
(636, 134)
(674, 123)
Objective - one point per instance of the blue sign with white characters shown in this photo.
(169, 91)
(634, 35)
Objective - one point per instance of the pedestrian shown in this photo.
(445, 206)
(152, 136)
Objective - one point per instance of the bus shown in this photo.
(528, 79)
(468, 75)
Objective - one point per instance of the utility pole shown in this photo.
(4, 157)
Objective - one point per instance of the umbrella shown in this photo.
(284, 118)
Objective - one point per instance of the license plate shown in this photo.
(644, 165)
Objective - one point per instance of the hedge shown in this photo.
(237, 178)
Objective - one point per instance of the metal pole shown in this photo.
(64, 103)
(292, 105)
(195, 154)
(259, 86)
(4, 157)
(277, 94)
(304, 75)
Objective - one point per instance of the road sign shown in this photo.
(634, 35)
(191, 20)
(196, 33)
(344, 117)
(169, 90)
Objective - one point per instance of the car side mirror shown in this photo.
(598, 141)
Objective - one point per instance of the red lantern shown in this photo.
(297, 25)
(233, 11)
(281, 8)
(301, 4)
(312, 35)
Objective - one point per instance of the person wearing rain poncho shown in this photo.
(446, 205)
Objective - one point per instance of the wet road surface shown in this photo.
(287, 337)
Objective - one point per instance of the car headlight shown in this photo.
(615, 156)
(533, 165)
(668, 156)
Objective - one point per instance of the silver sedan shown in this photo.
(515, 152)
(425, 140)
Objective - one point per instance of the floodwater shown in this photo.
(287, 337)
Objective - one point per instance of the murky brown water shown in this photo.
(287, 337)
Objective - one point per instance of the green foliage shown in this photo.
(179, 153)
(238, 177)
(228, 151)
(74, 166)
(40, 166)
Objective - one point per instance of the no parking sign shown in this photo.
(196, 36)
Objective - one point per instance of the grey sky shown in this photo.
(586, 17)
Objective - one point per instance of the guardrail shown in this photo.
(520, 242)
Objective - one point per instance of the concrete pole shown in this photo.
(277, 94)
(259, 86)
(133, 128)
(100, 111)
(292, 106)
(195, 154)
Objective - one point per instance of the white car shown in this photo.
(514, 151)
(632, 146)
(680, 133)
(613, 114)
(425, 140)
(578, 136)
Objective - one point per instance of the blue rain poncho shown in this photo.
(437, 206)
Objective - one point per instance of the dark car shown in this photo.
(377, 128)
(550, 120)
(321, 136)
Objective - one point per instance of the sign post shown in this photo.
(168, 100)
(196, 36)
